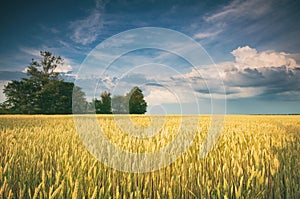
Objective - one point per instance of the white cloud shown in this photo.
(68, 66)
(30, 51)
(252, 73)
(246, 57)
(25, 70)
(237, 9)
(204, 35)
(169, 93)
(87, 30)
(63, 68)
(159, 96)
(109, 82)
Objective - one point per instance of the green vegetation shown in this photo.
(43, 92)
(132, 103)
(137, 104)
(103, 106)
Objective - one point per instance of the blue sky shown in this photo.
(254, 44)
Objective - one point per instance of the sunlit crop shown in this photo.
(255, 157)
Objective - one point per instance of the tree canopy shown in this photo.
(103, 106)
(43, 92)
(132, 103)
(137, 104)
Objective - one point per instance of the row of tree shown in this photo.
(45, 92)
(132, 103)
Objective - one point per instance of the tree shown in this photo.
(137, 104)
(132, 103)
(79, 103)
(120, 105)
(105, 104)
(44, 71)
(4, 108)
(96, 104)
(43, 92)
(56, 97)
(20, 96)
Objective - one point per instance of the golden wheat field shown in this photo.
(255, 157)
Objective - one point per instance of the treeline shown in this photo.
(45, 92)
(132, 103)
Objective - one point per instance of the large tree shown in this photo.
(137, 104)
(56, 97)
(21, 96)
(43, 91)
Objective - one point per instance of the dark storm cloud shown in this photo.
(214, 91)
(267, 76)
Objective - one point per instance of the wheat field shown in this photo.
(255, 157)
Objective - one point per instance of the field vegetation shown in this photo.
(255, 157)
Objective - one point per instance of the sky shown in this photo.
(248, 54)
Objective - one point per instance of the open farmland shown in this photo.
(255, 157)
